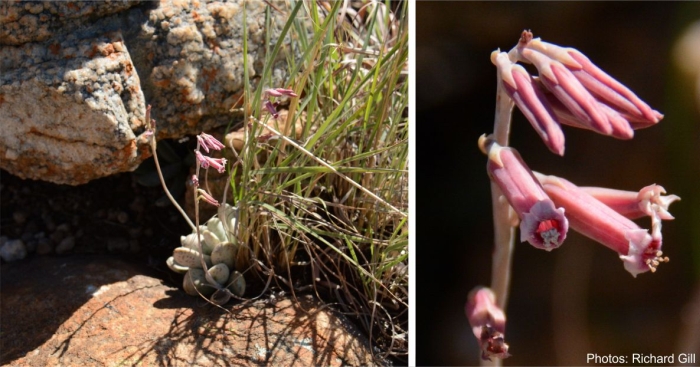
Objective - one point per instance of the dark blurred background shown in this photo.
(577, 299)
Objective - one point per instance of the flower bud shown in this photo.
(207, 142)
(531, 101)
(563, 84)
(603, 86)
(621, 128)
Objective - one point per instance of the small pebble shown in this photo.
(20, 216)
(32, 226)
(66, 245)
(27, 236)
(55, 205)
(44, 246)
(122, 217)
(135, 232)
(58, 236)
(134, 246)
(117, 245)
(63, 227)
(138, 204)
(13, 250)
(31, 245)
(49, 224)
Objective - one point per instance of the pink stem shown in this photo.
(504, 232)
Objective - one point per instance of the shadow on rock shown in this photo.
(40, 294)
(98, 310)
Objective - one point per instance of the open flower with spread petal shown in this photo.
(488, 323)
(541, 223)
(218, 164)
(639, 251)
(649, 201)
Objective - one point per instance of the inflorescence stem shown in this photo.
(504, 232)
(154, 146)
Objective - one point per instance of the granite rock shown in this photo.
(13, 250)
(102, 311)
(75, 78)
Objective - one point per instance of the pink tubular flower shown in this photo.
(218, 164)
(621, 128)
(566, 87)
(648, 201)
(279, 92)
(209, 142)
(488, 323)
(541, 224)
(603, 86)
(639, 251)
(529, 98)
(194, 180)
(271, 109)
(206, 197)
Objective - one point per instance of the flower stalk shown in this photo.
(504, 232)
(151, 136)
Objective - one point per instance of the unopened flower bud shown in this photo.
(279, 92)
(621, 128)
(207, 142)
(207, 197)
(563, 84)
(531, 101)
(605, 88)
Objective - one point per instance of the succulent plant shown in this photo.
(217, 255)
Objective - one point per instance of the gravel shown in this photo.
(109, 215)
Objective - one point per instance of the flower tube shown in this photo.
(621, 128)
(207, 142)
(566, 87)
(218, 164)
(541, 224)
(603, 86)
(639, 251)
(488, 323)
(531, 101)
(648, 201)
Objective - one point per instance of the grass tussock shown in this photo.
(322, 189)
